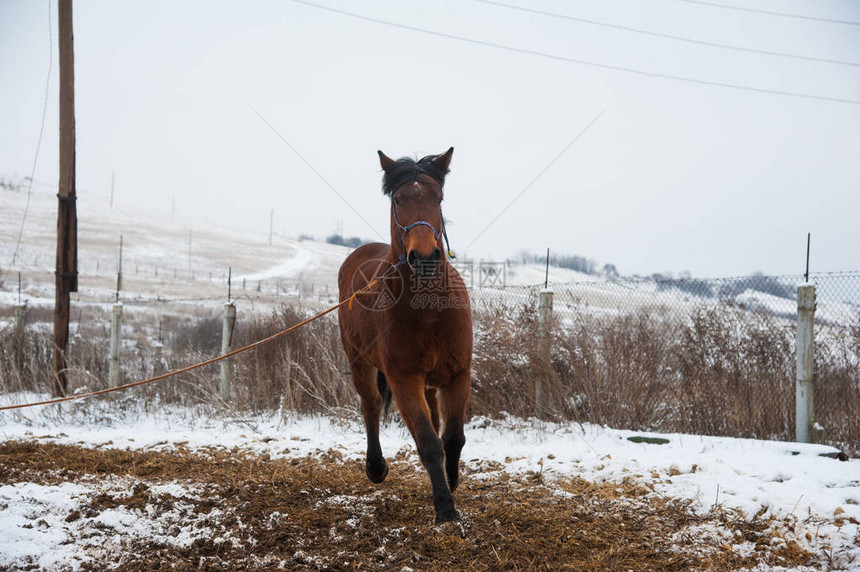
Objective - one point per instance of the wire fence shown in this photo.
(696, 356)
(699, 356)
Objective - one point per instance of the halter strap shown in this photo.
(436, 234)
(406, 229)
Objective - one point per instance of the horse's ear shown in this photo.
(442, 161)
(385, 161)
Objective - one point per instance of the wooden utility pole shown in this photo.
(67, 225)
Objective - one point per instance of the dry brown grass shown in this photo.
(719, 371)
(285, 512)
(307, 372)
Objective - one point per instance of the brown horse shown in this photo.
(410, 335)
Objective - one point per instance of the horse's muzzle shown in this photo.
(424, 265)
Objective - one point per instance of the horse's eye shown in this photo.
(396, 201)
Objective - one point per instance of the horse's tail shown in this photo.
(385, 392)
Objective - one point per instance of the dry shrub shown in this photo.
(504, 354)
(306, 371)
(201, 335)
(735, 374)
(25, 359)
(719, 370)
(617, 369)
(837, 387)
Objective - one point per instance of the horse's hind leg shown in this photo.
(433, 404)
(411, 401)
(364, 379)
(454, 398)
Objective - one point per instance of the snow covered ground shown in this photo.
(815, 499)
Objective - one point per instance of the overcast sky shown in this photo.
(674, 176)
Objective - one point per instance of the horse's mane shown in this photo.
(406, 170)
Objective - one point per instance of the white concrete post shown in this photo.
(544, 319)
(804, 416)
(158, 358)
(20, 310)
(115, 343)
(226, 341)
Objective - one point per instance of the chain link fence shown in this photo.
(695, 356)
(710, 357)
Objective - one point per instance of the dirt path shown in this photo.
(230, 510)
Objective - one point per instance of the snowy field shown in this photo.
(806, 498)
(813, 500)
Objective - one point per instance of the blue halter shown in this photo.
(436, 234)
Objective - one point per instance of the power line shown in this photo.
(670, 36)
(317, 173)
(581, 61)
(539, 175)
(773, 13)
(39, 142)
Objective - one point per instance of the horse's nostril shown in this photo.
(414, 258)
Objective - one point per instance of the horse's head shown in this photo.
(417, 226)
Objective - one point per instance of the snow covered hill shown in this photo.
(170, 256)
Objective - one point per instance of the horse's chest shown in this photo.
(421, 350)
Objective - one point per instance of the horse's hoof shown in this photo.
(447, 516)
(376, 472)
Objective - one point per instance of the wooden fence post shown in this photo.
(226, 342)
(114, 374)
(805, 354)
(544, 320)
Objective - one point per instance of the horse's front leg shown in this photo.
(364, 379)
(453, 399)
(409, 395)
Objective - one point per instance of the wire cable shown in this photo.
(670, 36)
(773, 13)
(38, 144)
(539, 175)
(317, 173)
(530, 52)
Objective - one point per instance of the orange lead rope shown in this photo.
(349, 300)
(373, 282)
(357, 292)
